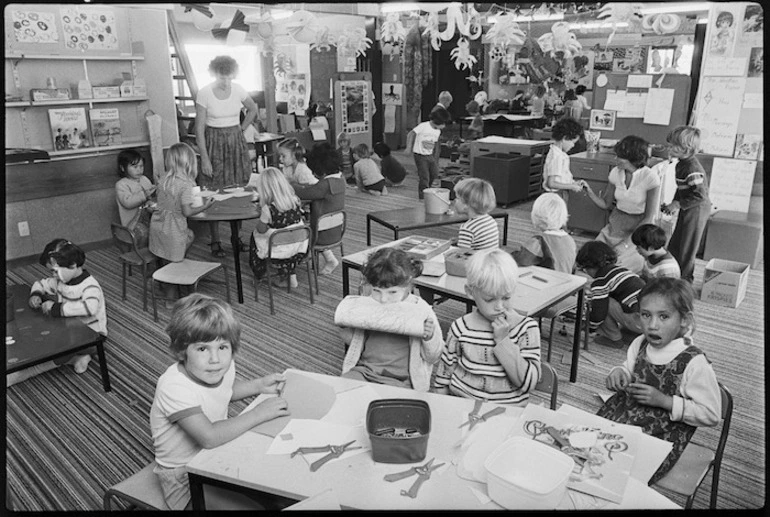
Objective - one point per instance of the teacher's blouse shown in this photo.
(222, 113)
(633, 200)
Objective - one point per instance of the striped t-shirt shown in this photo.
(470, 368)
(479, 233)
(663, 266)
(691, 183)
(613, 282)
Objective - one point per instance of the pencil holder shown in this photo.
(398, 429)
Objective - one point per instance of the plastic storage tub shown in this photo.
(398, 429)
(524, 474)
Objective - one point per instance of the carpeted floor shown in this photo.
(68, 441)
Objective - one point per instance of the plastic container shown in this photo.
(386, 417)
(456, 261)
(524, 474)
(436, 200)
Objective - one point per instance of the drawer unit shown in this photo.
(508, 173)
(595, 169)
(535, 149)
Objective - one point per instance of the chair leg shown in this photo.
(269, 288)
(309, 285)
(315, 270)
(550, 340)
(256, 291)
(154, 303)
(124, 281)
(714, 485)
(130, 271)
(144, 287)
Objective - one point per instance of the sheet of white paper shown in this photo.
(315, 433)
(322, 122)
(658, 108)
(222, 197)
(725, 66)
(350, 406)
(605, 396)
(318, 134)
(639, 81)
(390, 118)
(718, 113)
(616, 100)
(636, 103)
(481, 496)
(731, 184)
(753, 100)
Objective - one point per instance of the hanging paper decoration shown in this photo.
(324, 40)
(467, 24)
(262, 32)
(462, 56)
(282, 65)
(560, 42)
(202, 16)
(393, 31)
(432, 31)
(303, 26)
(616, 13)
(233, 31)
(354, 41)
(503, 33)
(662, 23)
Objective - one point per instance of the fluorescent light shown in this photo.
(280, 14)
(681, 7)
(535, 18)
(596, 25)
(397, 7)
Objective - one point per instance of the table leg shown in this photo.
(196, 492)
(236, 243)
(505, 229)
(576, 337)
(345, 279)
(103, 365)
(368, 230)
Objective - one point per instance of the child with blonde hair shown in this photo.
(189, 410)
(476, 198)
(346, 157)
(292, 156)
(281, 208)
(493, 353)
(552, 247)
(368, 176)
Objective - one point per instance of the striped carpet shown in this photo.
(68, 441)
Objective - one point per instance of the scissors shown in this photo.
(474, 419)
(423, 474)
(335, 451)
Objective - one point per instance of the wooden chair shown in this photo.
(132, 255)
(188, 273)
(327, 222)
(286, 236)
(549, 382)
(688, 473)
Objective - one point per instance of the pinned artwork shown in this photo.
(34, 27)
(462, 56)
(86, 28)
(662, 23)
(560, 42)
(355, 106)
(392, 93)
(603, 120)
(617, 13)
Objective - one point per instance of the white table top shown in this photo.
(357, 480)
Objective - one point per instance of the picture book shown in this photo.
(105, 126)
(69, 128)
(423, 248)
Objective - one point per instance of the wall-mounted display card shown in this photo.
(69, 128)
(657, 110)
(757, 62)
(725, 66)
(392, 93)
(603, 120)
(616, 100)
(355, 106)
(753, 100)
(31, 26)
(747, 146)
(636, 104)
(639, 81)
(89, 28)
(718, 111)
(731, 183)
(724, 24)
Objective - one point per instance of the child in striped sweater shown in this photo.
(650, 242)
(493, 353)
(476, 197)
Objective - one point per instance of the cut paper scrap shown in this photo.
(307, 398)
(364, 312)
(481, 496)
(351, 405)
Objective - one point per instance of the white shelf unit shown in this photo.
(26, 104)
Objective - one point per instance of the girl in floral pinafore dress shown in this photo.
(281, 208)
(666, 386)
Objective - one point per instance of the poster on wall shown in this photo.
(355, 106)
(724, 25)
(295, 92)
(731, 184)
(747, 146)
(757, 62)
(718, 110)
(86, 28)
(751, 32)
(603, 120)
(31, 26)
(392, 93)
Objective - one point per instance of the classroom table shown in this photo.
(234, 210)
(40, 338)
(503, 124)
(527, 300)
(416, 218)
(357, 480)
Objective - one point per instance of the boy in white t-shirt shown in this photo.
(421, 142)
(557, 176)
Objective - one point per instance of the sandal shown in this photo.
(216, 249)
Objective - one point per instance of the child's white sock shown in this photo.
(80, 363)
(331, 263)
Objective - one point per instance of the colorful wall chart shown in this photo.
(34, 27)
(89, 29)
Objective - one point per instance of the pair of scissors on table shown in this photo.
(335, 451)
(474, 418)
(423, 474)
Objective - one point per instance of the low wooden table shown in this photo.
(40, 338)
(415, 218)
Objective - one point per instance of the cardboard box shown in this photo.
(49, 94)
(724, 282)
(106, 92)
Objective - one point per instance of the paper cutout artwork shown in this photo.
(86, 28)
(34, 27)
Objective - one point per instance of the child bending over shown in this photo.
(384, 357)
(391, 168)
(650, 241)
(292, 156)
(476, 198)
(557, 176)
(368, 176)
(666, 385)
(552, 247)
(189, 411)
(493, 353)
(421, 141)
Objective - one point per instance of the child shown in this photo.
(421, 142)
(666, 386)
(70, 292)
(368, 176)
(537, 103)
(476, 128)
(476, 198)
(518, 103)
(557, 176)
(579, 91)
(170, 238)
(384, 357)
(391, 168)
(189, 410)
(292, 156)
(573, 108)
(134, 192)
(552, 248)
(691, 198)
(614, 292)
(345, 154)
(650, 241)
(280, 208)
(493, 353)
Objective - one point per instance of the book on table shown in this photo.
(423, 248)
(69, 128)
(105, 126)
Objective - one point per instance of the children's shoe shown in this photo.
(605, 341)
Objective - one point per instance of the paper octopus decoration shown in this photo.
(662, 23)
(462, 56)
(560, 39)
(393, 31)
(324, 40)
(354, 41)
(617, 13)
(503, 33)
(202, 16)
(469, 28)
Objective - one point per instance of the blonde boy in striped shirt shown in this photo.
(493, 353)
(476, 198)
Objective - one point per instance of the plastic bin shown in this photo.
(508, 174)
(388, 417)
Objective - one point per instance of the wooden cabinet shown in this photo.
(595, 169)
(532, 183)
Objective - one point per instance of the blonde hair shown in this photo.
(342, 136)
(180, 163)
(477, 194)
(362, 151)
(549, 212)
(492, 272)
(686, 138)
(275, 189)
(199, 318)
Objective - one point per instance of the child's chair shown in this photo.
(132, 255)
(287, 238)
(549, 382)
(326, 222)
(142, 490)
(189, 273)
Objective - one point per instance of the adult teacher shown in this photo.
(219, 133)
(632, 195)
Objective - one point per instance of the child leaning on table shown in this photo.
(666, 385)
(384, 357)
(552, 247)
(493, 353)
(650, 242)
(189, 410)
(476, 198)
(557, 176)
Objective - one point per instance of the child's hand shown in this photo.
(617, 380)
(272, 383)
(500, 327)
(428, 329)
(47, 306)
(150, 192)
(271, 408)
(576, 187)
(35, 301)
(649, 396)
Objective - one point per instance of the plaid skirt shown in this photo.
(229, 155)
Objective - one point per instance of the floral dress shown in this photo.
(284, 266)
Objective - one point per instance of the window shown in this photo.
(249, 69)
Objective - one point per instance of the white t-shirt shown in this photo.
(557, 166)
(633, 200)
(176, 397)
(222, 113)
(425, 138)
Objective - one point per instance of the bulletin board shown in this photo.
(653, 133)
(323, 67)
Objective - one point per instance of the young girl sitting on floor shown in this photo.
(476, 197)
(666, 385)
(345, 155)
(552, 247)
(376, 352)
(280, 208)
(292, 156)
